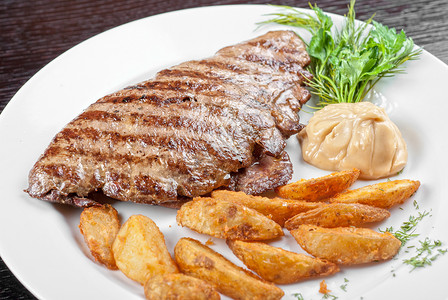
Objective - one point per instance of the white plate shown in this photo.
(41, 243)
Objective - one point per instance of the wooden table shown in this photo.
(35, 32)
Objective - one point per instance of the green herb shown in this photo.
(329, 296)
(407, 229)
(416, 204)
(298, 296)
(347, 63)
(425, 254)
(344, 286)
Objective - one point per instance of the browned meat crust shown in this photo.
(185, 132)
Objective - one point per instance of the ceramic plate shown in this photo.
(40, 242)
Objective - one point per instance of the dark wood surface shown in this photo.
(32, 33)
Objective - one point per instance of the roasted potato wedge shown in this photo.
(99, 225)
(346, 245)
(383, 195)
(228, 220)
(198, 260)
(339, 215)
(278, 265)
(321, 188)
(277, 209)
(177, 286)
(140, 251)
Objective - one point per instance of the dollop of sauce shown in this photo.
(354, 135)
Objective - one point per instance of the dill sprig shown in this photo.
(344, 286)
(329, 296)
(407, 229)
(299, 296)
(428, 252)
(293, 17)
(347, 63)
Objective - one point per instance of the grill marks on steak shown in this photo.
(193, 128)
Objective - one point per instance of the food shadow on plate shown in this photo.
(71, 217)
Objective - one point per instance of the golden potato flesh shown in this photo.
(140, 251)
(383, 195)
(346, 245)
(198, 260)
(339, 215)
(224, 219)
(277, 209)
(99, 225)
(321, 188)
(278, 265)
(177, 286)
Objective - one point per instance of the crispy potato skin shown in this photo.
(176, 286)
(140, 251)
(321, 188)
(339, 215)
(278, 265)
(346, 245)
(198, 260)
(224, 219)
(277, 209)
(99, 225)
(383, 195)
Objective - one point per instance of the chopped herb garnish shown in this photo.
(406, 231)
(428, 252)
(344, 286)
(416, 204)
(298, 296)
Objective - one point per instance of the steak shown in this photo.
(195, 127)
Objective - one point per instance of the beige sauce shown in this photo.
(354, 135)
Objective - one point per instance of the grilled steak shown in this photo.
(193, 128)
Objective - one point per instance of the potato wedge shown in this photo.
(278, 265)
(140, 251)
(321, 188)
(198, 260)
(383, 195)
(277, 209)
(339, 215)
(177, 286)
(99, 225)
(346, 245)
(224, 219)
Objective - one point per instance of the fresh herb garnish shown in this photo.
(344, 286)
(347, 63)
(407, 229)
(428, 251)
(329, 296)
(426, 254)
(298, 296)
(415, 203)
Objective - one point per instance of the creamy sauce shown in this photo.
(354, 135)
